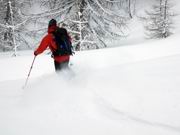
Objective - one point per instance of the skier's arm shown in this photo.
(43, 45)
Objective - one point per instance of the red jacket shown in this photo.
(48, 41)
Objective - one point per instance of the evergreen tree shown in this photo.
(11, 25)
(89, 21)
(159, 20)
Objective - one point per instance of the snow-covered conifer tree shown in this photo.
(159, 20)
(11, 25)
(90, 22)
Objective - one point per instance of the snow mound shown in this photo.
(62, 92)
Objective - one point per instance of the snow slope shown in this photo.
(129, 90)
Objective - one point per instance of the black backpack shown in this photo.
(64, 45)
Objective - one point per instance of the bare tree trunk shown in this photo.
(13, 29)
(129, 8)
(160, 5)
(81, 5)
(10, 34)
(165, 16)
(165, 9)
(134, 6)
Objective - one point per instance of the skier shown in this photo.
(60, 62)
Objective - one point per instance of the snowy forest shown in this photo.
(123, 79)
(92, 24)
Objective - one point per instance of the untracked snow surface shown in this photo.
(129, 90)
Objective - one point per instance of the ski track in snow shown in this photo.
(99, 105)
(116, 114)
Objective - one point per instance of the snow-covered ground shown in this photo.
(129, 90)
(133, 89)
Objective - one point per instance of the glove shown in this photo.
(35, 53)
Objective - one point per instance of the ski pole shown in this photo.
(29, 73)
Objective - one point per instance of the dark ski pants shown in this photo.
(61, 65)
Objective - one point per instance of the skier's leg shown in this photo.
(57, 66)
(65, 65)
(61, 65)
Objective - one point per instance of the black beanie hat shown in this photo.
(52, 22)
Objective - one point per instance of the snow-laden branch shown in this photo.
(79, 22)
(92, 10)
(4, 26)
(114, 21)
(88, 41)
(103, 29)
(98, 38)
(20, 24)
(106, 10)
(58, 3)
(74, 32)
(17, 26)
(117, 1)
(49, 13)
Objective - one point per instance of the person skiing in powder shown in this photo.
(60, 61)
